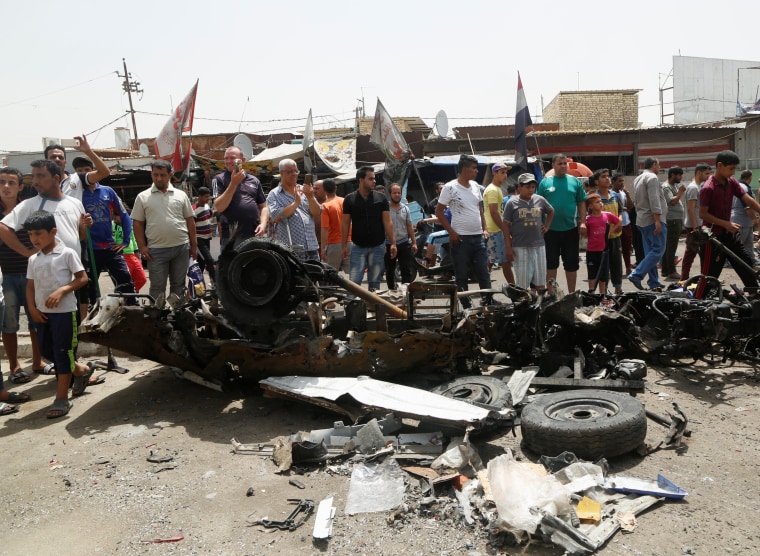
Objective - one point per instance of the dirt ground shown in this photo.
(82, 484)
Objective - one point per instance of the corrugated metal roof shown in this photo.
(632, 130)
(602, 91)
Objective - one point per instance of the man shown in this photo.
(673, 190)
(70, 217)
(403, 232)
(319, 191)
(294, 209)
(467, 230)
(626, 237)
(165, 231)
(321, 197)
(430, 207)
(366, 215)
(566, 195)
(715, 200)
(745, 217)
(651, 218)
(13, 267)
(72, 185)
(332, 220)
(239, 201)
(493, 199)
(101, 202)
(203, 217)
(692, 221)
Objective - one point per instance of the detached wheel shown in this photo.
(589, 423)
(485, 390)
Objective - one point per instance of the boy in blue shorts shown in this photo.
(54, 273)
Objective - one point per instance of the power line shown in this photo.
(57, 90)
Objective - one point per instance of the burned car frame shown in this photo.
(269, 319)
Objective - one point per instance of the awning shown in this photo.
(278, 153)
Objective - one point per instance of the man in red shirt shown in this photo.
(715, 200)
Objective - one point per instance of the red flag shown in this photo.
(522, 122)
(168, 142)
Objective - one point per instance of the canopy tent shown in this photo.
(274, 155)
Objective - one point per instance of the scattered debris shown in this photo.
(297, 517)
(175, 538)
(375, 487)
(323, 521)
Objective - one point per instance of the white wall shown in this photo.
(704, 89)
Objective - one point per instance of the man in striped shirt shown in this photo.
(204, 232)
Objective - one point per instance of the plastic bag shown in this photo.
(375, 487)
(196, 285)
(516, 489)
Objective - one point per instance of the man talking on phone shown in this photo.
(295, 209)
(239, 201)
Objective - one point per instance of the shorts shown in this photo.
(564, 244)
(497, 249)
(530, 266)
(593, 262)
(14, 290)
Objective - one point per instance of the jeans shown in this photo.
(116, 266)
(371, 259)
(171, 263)
(470, 254)
(654, 247)
(14, 290)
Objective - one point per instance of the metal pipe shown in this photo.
(366, 295)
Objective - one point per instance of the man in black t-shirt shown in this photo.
(367, 215)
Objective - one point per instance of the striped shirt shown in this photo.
(202, 216)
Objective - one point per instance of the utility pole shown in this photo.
(129, 87)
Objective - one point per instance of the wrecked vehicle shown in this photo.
(275, 315)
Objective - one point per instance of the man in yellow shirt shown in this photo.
(493, 198)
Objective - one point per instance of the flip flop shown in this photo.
(95, 380)
(7, 409)
(48, 369)
(20, 377)
(59, 408)
(17, 397)
(81, 382)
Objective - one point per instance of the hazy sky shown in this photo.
(268, 63)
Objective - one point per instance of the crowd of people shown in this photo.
(54, 245)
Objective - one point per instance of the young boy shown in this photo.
(524, 233)
(131, 257)
(204, 232)
(596, 225)
(54, 273)
(13, 266)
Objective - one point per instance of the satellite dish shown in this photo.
(442, 124)
(144, 149)
(243, 143)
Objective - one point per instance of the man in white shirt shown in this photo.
(467, 231)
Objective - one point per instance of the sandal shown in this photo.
(59, 408)
(7, 409)
(17, 397)
(48, 369)
(20, 377)
(82, 381)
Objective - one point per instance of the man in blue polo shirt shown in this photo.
(239, 201)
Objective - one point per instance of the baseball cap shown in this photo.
(500, 166)
(80, 161)
(527, 177)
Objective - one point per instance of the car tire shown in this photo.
(478, 390)
(589, 423)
